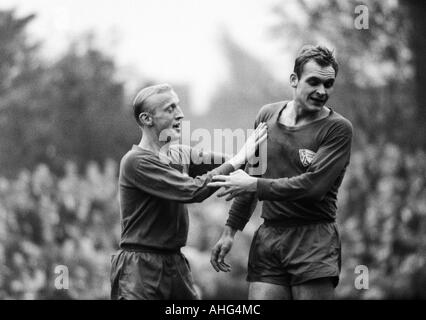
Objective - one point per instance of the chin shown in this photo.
(175, 136)
(317, 107)
(169, 135)
(314, 107)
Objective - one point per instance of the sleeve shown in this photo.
(243, 206)
(161, 180)
(328, 164)
(241, 210)
(203, 162)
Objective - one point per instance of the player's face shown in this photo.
(314, 86)
(166, 115)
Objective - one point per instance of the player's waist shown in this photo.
(293, 222)
(150, 249)
(298, 213)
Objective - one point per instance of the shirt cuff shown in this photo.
(262, 187)
(236, 222)
(224, 169)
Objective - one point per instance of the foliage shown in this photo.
(47, 221)
(73, 220)
(237, 100)
(382, 218)
(20, 110)
(71, 109)
(71, 112)
(375, 80)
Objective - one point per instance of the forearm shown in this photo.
(329, 163)
(306, 186)
(241, 211)
(203, 162)
(161, 180)
(196, 189)
(203, 192)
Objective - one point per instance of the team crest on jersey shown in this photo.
(306, 156)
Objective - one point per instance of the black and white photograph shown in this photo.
(232, 151)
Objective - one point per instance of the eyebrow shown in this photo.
(320, 79)
(173, 103)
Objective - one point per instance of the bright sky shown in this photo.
(168, 40)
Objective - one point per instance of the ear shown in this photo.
(145, 119)
(294, 80)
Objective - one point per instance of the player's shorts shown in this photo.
(139, 275)
(292, 255)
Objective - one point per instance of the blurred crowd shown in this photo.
(61, 119)
(73, 220)
(50, 221)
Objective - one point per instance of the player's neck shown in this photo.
(295, 114)
(151, 142)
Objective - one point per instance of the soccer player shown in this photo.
(296, 252)
(155, 182)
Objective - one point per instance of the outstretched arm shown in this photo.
(330, 161)
(202, 161)
(161, 180)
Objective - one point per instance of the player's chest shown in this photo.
(294, 148)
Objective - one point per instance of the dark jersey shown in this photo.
(305, 167)
(153, 194)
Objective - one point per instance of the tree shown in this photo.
(416, 11)
(374, 86)
(250, 86)
(21, 114)
(71, 110)
(89, 116)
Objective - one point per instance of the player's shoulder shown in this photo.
(340, 123)
(269, 110)
(136, 157)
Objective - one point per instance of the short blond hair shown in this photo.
(143, 94)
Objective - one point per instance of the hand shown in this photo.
(236, 183)
(252, 143)
(221, 249)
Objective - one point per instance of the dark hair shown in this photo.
(321, 55)
(138, 103)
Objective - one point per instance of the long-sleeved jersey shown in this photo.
(305, 167)
(153, 194)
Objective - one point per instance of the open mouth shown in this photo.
(318, 101)
(176, 126)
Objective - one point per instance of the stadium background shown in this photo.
(66, 122)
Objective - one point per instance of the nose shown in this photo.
(179, 113)
(321, 90)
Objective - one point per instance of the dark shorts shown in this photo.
(151, 276)
(293, 255)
